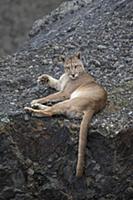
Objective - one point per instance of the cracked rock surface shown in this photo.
(38, 156)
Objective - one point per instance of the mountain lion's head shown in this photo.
(73, 66)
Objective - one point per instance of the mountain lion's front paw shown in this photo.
(34, 102)
(43, 79)
(35, 105)
(28, 109)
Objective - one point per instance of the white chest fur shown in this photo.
(63, 81)
(75, 94)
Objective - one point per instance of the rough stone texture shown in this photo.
(38, 156)
(16, 19)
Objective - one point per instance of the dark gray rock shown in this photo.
(38, 156)
(16, 19)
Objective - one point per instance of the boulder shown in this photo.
(38, 155)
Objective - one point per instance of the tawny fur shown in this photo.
(80, 96)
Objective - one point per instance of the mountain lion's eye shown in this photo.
(76, 66)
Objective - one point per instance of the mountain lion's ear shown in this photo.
(78, 55)
(62, 58)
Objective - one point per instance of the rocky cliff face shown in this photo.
(16, 19)
(38, 156)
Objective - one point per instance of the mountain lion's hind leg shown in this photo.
(69, 107)
(59, 108)
(36, 112)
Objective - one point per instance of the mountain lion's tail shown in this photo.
(82, 141)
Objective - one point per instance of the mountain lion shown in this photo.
(79, 94)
